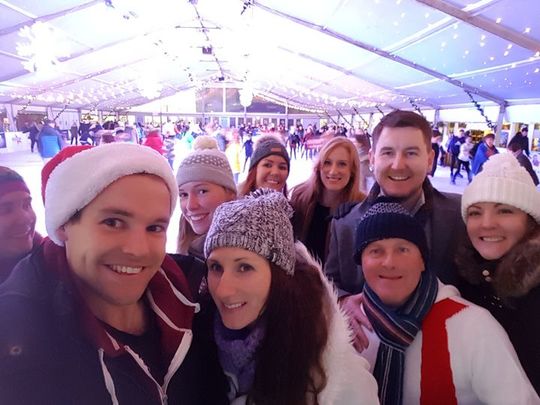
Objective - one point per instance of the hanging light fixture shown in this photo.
(43, 48)
(246, 96)
(149, 88)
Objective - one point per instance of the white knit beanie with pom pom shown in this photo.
(206, 163)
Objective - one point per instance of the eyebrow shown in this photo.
(16, 200)
(117, 211)
(197, 184)
(127, 214)
(386, 148)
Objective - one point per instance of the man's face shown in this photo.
(117, 244)
(490, 141)
(17, 223)
(401, 161)
(392, 268)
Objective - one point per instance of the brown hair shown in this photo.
(305, 196)
(289, 369)
(250, 183)
(404, 119)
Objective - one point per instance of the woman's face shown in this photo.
(335, 170)
(239, 282)
(199, 200)
(495, 228)
(272, 172)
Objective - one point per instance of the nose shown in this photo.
(25, 215)
(388, 260)
(136, 243)
(274, 170)
(333, 169)
(398, 162)
(487, 220)
(192, 202)
(225, 286)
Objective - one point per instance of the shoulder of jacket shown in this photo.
(344, 209)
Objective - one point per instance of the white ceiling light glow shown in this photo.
(43, 48)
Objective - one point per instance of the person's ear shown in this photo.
(61, 233)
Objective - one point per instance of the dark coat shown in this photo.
(444, 227)
(511, 294)
(526, 163)
(45, 357)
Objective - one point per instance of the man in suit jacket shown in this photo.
(401, 157)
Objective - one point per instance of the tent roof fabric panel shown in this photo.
(331, 55)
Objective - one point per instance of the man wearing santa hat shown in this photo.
(98, 314)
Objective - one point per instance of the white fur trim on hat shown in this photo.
(76, 181)
(503, 180)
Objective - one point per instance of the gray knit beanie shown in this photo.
(206, 163)
(260, 223)
(268, 145)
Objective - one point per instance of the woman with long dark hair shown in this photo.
(280, 336)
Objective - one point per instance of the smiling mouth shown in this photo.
(391, 278)
(234, 306)
(491, 238)
(398, 178)
(197, 218)
(125, 269)
(333, 178)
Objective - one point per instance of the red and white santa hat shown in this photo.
(77, 174)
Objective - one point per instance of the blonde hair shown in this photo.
(307, 194)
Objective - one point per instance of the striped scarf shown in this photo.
(397, 329)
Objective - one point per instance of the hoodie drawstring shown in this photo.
(109, 383)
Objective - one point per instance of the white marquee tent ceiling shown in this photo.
(324, 54)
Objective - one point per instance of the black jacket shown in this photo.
(45, 357)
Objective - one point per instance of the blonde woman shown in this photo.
(334, 181)
(205, 181)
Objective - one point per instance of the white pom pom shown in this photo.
(203, 142)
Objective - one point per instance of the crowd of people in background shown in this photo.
(329, 293)
(460, 151)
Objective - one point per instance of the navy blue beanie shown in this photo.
(388, 219)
